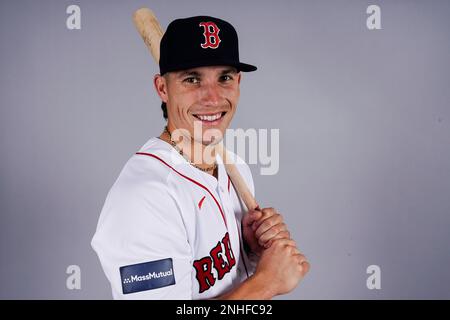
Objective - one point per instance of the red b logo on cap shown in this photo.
(211, 34)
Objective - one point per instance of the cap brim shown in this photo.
(246, 67)
(207, 63)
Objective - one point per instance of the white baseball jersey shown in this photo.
(170, 231)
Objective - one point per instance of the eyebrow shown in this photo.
(193, 73)
(229, 70)
(188, 73)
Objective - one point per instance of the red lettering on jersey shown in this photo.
(204, 273)
(204, 266)
(228, 251)
(211, 33)
(219, 263)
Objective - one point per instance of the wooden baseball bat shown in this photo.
(151, 32)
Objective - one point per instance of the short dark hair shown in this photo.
(164, 110)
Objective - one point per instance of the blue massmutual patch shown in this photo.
(147, 276)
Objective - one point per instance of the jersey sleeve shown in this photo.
(141, 240)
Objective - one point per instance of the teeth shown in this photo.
(209, 117)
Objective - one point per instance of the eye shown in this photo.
(226, 77)
(193, 80)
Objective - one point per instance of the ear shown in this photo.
(239, 77)
(160, 84)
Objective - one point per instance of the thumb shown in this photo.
(251, 216)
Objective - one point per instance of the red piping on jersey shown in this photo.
(190, 179)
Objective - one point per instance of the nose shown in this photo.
(210, 95)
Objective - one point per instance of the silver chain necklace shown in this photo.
(180, 151)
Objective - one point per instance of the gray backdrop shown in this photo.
(364, 125)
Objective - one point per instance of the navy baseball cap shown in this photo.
(198, 42)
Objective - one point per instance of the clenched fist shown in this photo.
(262, 227)
(281, 267)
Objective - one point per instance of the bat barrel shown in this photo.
(150, 30)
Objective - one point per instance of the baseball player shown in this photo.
(173, 226)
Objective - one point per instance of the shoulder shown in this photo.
(149, 167)
(142, 183)
(140, 202)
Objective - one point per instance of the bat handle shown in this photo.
(238, 182)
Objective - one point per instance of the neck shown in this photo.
(200, 155)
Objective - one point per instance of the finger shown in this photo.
(281, 235)
(296, 252)
(271, 233)
(285, 234)
(305, 267)
(251, 217)
(266, 213)
(300, 258)
(280, 243)
(269, 223)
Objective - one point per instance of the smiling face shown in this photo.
(204, 97)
